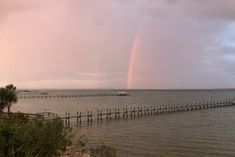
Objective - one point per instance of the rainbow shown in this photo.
(133, 53)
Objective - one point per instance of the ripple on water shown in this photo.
(204, 133)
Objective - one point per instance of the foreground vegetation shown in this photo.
(24, 136)
(21, 136)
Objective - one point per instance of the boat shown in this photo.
(43, 93)
(23, 91)
(122, 93)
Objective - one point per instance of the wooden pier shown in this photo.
(31, 96)
(132, 112)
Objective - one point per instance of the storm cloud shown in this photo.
(87, 44)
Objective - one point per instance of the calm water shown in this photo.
(204, 133)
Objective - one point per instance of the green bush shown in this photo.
(81, 144)
(21, 137)
(10, 139)
(103, 151)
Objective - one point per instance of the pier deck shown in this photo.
(131, 112)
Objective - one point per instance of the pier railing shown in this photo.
(29, 115)
(132, 112)
(129, 112)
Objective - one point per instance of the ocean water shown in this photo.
(204, 133)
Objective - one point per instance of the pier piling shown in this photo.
(117, 113)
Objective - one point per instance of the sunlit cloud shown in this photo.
(88, 44)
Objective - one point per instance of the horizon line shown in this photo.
(159, 89)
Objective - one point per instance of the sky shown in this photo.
(134, 44)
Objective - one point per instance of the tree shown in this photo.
(8, 96)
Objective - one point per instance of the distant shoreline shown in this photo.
(72, 89)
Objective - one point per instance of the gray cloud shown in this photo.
(215, 9)
(184, 43)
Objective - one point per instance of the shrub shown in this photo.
(21, 137)
(81, 144)
(48, 138)
(103, 151)
(10, 139)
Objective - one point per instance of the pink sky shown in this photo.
(90, 44)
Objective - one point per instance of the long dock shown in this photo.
(132, 112)
(29, 96)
